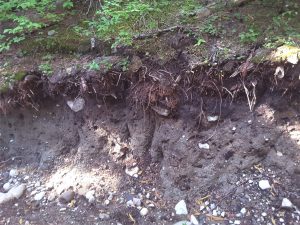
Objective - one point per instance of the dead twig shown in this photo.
(157, 33)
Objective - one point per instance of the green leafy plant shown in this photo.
(94, 66)
(67, 4)
(209, 26)
(25, 16)
(249, 36)
(46, 68)
(200, 42)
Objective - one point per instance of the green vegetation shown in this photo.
(94, 66)
(209, 26)
(22, 17)
(249, 36)
(46, 68)
(9, 78)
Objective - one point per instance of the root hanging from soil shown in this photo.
(154, 85)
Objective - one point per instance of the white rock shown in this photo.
(130, 203)
(148, 195)
(279, 72)
(237, 222)
(90, 196)
(202, 207)
(223, 214)
(144, 211)
(212, 118)
(13, 173)
(110, 196)
(77, 104)
(185, 222)
(180, 208)
(279, 154)
(264, 214)
(7, 186)
(286, 203)
(204, 146)
(194, 220)
(106, 202)
(215, 213)
(212, 206)
(264, 184)
(104, 216)
(15, 192)
(243, 210)
(281, 220)
(137, 201)
(39, 196)
(234, 129)
(132, 171)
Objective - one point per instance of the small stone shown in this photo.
(264, 184)
(181, 208)
(194, 220)
(90, 196)
(130, 203)
(249, 121)
(237, 222)
(286, 203)
(13, 173)
(148, 195)
(212, 206)
(111, 196)
(77, 104)
(202, 207)
(223, 214)
(250, 181)
(234, 129)
(144, 212)
(51, 32)
(279, 154)
(15, 192)
(104, 216)
(281, 220)
(212, 118)
(137, 201)
(39, 196)
(62, 209)
(243, 210)
(7, 186)
(132, 171)
(203, 146)
(215, 213)
(106, 202)
(264, 214)
(66, 197)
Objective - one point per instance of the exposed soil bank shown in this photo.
(91, 149)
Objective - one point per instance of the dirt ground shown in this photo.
(55, 150)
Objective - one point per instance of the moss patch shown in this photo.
(65, 42)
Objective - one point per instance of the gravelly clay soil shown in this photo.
(215, 167)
